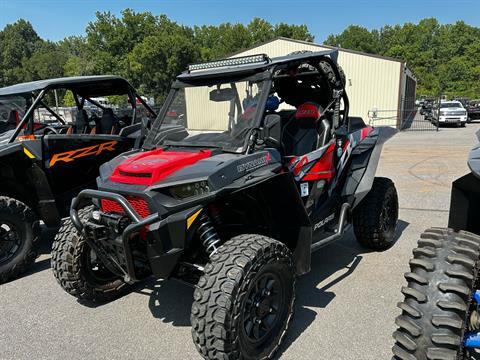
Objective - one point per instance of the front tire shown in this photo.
(438, 305)
(77, 268)
(19, 238)
(244, 301)
(376, 217)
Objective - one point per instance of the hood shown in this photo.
(148, 168)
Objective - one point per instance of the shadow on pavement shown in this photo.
(170, 301)
(339, 260)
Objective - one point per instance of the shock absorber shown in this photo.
(208, 235)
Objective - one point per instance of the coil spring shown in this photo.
(208, 235)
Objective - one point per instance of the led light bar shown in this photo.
(238, 61)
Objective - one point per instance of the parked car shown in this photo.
(473, 110)
(440, 316)
(46, 162)
(237, 212)
(426, 107)
(450, 112)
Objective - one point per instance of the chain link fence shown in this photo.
(409, 117)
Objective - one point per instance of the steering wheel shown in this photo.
(49, 129)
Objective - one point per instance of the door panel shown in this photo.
(71, 161)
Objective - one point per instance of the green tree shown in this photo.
(155, 61)
(443, 57)
(356, 38)
(45, 63)
(18, 41)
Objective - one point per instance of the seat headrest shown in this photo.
(107, 112)
(13, 117)
(308, 110)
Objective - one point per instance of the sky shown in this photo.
(56, 19)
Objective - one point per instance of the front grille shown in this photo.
(452, 119)
(138, 204)
(131, 174)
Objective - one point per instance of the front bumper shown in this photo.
(165, 240)
(453, 119)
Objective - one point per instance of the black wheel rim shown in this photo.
(96, 272)
(10, 241)
(263, 307)
(388, 215)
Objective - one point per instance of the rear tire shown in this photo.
(375, 218)
(438, 296)
(19, 238)
(73, 265)
(248, 287)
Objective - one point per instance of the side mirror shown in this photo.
(272, 130)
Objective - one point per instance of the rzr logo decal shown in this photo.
(72, 155)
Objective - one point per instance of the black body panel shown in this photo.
(465, 198)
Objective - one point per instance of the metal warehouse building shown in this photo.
(377, 86)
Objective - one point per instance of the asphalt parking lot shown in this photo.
(345, 307)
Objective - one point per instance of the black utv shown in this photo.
(48, 154)
(273, 168)
(440, 316)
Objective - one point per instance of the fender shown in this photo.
(465, 197)
(293, 225)
(28, 182)
(46, 207)
(364, 165)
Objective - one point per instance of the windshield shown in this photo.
(12, 109)
(450, 105)
(220, 115)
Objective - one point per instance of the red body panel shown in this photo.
(323, 168)
(365, 132)
(147, 168)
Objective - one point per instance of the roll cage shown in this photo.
(84, 88)
(260, 68)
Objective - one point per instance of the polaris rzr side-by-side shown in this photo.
(440, 316)
(272, 169)
(47, 155)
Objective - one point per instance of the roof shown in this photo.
(86, 86)
(319, 46)
(252, 68)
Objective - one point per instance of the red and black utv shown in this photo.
(48, 153)
(273, 168)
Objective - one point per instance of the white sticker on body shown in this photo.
(304, 189)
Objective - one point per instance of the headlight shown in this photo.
(191, 189)
(443, 113)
